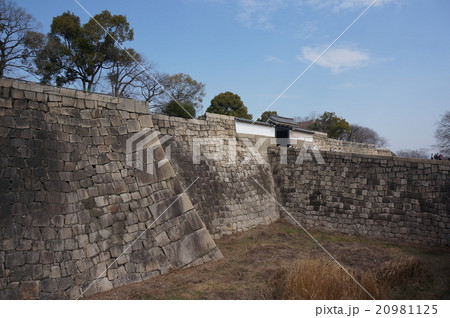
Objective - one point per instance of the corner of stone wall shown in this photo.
(72, 210)
(226, 196)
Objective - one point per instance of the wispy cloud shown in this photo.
(337, 59)
(274, 59)
(306, 30)
(338, 5)
(258, 13)
(215, 1)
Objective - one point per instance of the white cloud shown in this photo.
(274, 59)
(337, 59)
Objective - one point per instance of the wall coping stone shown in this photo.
(351, 155)
(123, 103)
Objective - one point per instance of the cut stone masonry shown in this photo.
(70, 206)
(72, 210)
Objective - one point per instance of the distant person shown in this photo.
(441, 157)
(436, 157)
(432, 157)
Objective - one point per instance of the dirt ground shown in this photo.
(251, 259)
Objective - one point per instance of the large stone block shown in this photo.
(46, 257)
(29, 290)
(189, 248)
(92, 249)
(146, 121)
(194, 220)
(65, 283)
(106, 220)
(84, 265)
(162, 239)
(170, 208)
(17, 93)
(104, 285)
(49, 285)
(143, 178)
(164, 170)
(133, 126)
(14, 259)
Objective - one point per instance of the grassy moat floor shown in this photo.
(255, 260)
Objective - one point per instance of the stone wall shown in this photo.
(327, 144)
(226, 195)
(70, 206)
(72, 210)
(385, 197)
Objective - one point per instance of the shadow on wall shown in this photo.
(75, 219)
(226, 196)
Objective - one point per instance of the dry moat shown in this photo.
(79, 216)
(254, 260)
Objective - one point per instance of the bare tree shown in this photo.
(442, 134)
(307, 121)
(15, 23)
(125, 72)
(152, 91)
(179, 86)
(421, 153)
(365, 135)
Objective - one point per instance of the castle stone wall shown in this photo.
(72, 211)
(76, 219)
(324, 143)
(383, 197)
(226, 195)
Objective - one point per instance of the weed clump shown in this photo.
(325, 279)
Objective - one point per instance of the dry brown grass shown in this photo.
(320, 279)
(400, 271)
(252, 258)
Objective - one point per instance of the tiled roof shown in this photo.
(281, 120)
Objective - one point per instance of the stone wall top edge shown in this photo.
(382, 157)
(219, 116)
(206, 120)
(62, 91)
(353, 143)
(367, 156)
(350, 143)
(178, 119)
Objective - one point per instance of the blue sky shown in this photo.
(390, 71)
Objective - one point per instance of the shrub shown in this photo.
(174, 109)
